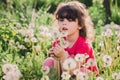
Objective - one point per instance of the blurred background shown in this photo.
(25, 34)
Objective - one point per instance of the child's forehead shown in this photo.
(64, 14)
(67, 12)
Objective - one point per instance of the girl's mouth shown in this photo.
(64, 29)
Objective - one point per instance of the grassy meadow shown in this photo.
(26, 36)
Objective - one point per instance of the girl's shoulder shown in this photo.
(84, 47)
(82, 43)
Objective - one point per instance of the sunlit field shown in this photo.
(26, 35)
(26, 49)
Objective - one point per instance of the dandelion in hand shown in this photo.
(63, 43)
(63, 34)
(56, 35)
(60, 37)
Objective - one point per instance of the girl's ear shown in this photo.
(79, 27)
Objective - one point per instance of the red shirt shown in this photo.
(81, 46)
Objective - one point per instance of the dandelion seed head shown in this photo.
(114, 75)
(45, 69)
(21, 47)
(26, 40)
(12, 75)
(107, 64)
(37, 48)
(83, 76)
(33, 39)
(63, 43)
(99, 78)
(79, 57)
(91, 62)
(7, 68)
(76, 71)
(63, 34)
(107, 58)
(45, 78)
(65, 75)
(55, 34)
(69, 63)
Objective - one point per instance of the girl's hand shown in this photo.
(51, 52)
(58, 51)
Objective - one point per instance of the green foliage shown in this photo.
(28, 56)
(115, 10)
(7, 32)
(24, 36)
(24, 12)
(97, 13)
(108, 43)
(88, 3)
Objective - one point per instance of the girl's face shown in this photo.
(68, 25)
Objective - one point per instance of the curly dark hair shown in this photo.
(76, 10)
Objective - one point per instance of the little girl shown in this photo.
(74, 19)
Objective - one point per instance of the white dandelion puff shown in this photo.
(69, 64)
(65, 76)
(107, 64)
(63, 34)
(11, 72)
(76, 71)
(91, 62)
(63, 43)
(116, 76)
(45, 69)
(7, 68)
(26, 40)
(45, 78)
(56, 35)
(99, 78)
(37, 48)
(79, 57)
(83, 76)
(33, 39)
(107, 58)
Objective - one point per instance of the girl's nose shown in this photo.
(64, 21)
